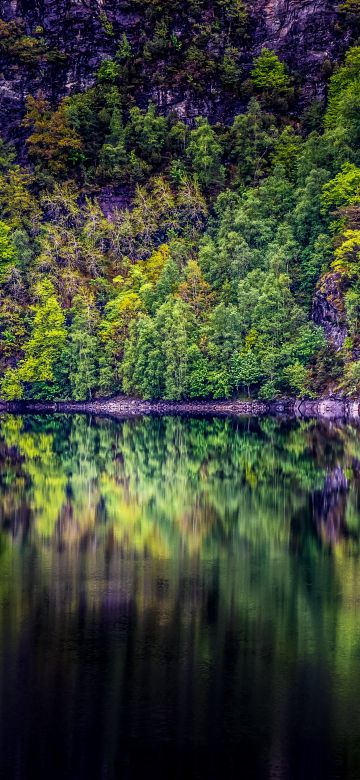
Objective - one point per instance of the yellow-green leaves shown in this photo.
(347, 254)
(7, 250)
(52, 142)
(343, 189)
(43, 350)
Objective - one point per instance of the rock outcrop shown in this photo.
(76, 35)
(328, 309)
(308, 34)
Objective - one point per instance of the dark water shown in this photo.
(179, 598)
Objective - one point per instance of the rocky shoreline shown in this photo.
(328, 408)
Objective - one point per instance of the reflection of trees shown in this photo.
(329, 507)
(173, 536)
(162, 484)
(330, 517)
(151, 484)
(205, 651)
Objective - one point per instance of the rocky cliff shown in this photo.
(328, 309)
(308, 34)
(55, 46)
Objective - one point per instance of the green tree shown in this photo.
(41, 369)
(195, 291)
(83, 350)
(271, 80)
(198, 373)
(7, 250)
(146, 132)
(252, 140)
(343, 189)
(297, 377)
(143, 366)
(342, 121)
(248, 370)
(53, 142)
(168, 281)
(109, 71)
(222, 336)
(114, 158)
(205, 152)
(173, 318)
(287, 151)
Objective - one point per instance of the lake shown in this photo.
(179, 598)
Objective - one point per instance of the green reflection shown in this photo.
(157, 486)
(232, 544)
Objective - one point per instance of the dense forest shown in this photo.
(224, 261)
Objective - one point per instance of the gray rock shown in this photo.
(304, 32)
(328, 309)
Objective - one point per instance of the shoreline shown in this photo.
(325, 408)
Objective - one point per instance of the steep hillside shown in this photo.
(179, 198)
(56, 47)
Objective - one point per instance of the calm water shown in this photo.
(179, 598)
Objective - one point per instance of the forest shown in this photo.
(203, 278)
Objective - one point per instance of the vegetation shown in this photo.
(164, 471)
(201, 284)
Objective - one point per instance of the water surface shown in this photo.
(179, 598)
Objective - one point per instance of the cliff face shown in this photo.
(328, 309)
(306, 33)
(69, 38)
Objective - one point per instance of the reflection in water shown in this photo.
(179, 597)
(330, 508)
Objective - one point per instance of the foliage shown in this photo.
(29, 50)
(342, 115)
(144, 254)
(204, 151)
(43, 351)
(271, 80)
(7, 249)
(52, 142)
